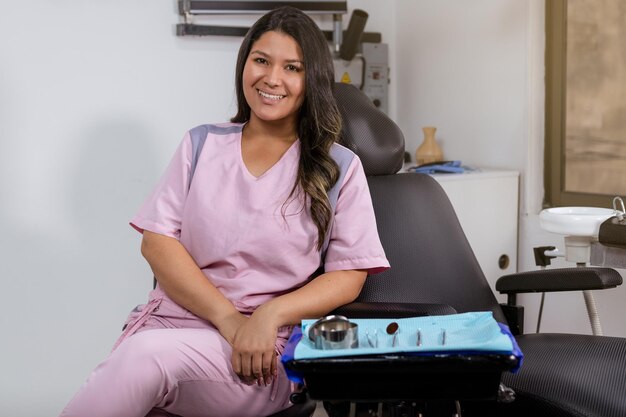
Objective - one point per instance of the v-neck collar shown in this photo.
(249, 174)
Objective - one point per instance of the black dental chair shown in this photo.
(434, 271)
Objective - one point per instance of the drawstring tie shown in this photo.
(134, 325)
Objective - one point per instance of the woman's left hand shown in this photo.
(254, 352)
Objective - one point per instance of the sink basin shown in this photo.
(574, 221)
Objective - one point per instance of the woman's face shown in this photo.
(273, 79)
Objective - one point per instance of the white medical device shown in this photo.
(360, 63)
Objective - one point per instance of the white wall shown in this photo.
(461, 67)
(94, 97)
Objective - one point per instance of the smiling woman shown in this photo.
(237, 253)
(318, 119)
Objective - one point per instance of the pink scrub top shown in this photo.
(250, 240)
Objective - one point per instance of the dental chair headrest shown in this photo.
(368, 132)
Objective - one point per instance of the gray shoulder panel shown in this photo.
(343, 157)
(224, 130)
(198, 136)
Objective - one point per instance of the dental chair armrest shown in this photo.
(359, 309)
(559, 279)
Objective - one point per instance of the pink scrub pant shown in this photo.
(169, 362)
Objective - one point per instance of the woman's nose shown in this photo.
(272, 78)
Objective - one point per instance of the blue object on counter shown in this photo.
(445, 167)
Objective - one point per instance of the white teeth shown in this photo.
(270, 96)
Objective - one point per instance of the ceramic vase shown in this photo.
(429, 151)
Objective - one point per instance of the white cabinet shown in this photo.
(486, 203)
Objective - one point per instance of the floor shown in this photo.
(319, 411)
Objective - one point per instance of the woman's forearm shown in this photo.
(183, 281)
(315, 299)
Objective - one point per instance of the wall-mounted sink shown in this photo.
(580, 227)
(574, 221)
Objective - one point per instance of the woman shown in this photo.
(234, 250)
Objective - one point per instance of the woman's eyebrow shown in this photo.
(259, 52)
(265, 55)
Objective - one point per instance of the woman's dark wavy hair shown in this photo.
(319, 122)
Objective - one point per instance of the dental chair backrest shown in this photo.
(368, 132)
(431, 260)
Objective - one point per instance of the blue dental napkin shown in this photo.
(470, 333)
(477, 332)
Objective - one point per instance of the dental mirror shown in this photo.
(392, 329)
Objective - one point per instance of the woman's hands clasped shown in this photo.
(253, 341)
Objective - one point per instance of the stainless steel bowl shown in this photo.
(334, 332)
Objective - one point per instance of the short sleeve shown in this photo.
(354, 241)
(162, 211)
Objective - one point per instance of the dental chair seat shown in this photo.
(588, 377)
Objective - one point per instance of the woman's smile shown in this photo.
(270, 96)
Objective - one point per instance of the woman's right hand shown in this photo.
(253, 342)
(229, 326)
